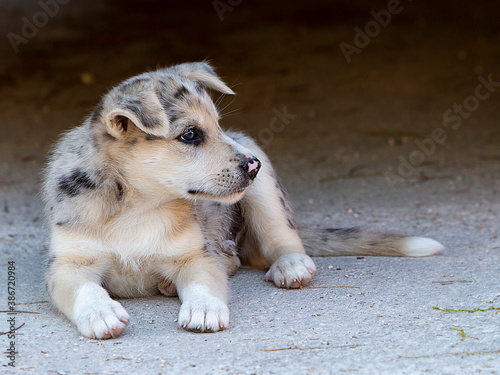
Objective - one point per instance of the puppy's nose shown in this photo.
(251, 167)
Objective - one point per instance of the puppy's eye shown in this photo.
(190, 136)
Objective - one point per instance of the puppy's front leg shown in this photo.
(201, 283)
(271, 223)
(74, 286)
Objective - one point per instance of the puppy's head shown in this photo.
(160, 131)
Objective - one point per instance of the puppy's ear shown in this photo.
(117, 125)
(203, 74)
(120, 112)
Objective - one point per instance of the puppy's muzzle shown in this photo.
(250, 167)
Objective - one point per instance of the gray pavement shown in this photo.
(345, 158)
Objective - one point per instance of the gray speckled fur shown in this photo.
(352, 242)
(136, 209)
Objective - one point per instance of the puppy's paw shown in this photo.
(96, 315)
(207, 314)
(293, 270)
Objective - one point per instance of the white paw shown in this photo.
(293, 270)
(201, 312)
(96, 315)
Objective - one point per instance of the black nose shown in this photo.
(251, 167)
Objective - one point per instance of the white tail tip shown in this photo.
(420, 247)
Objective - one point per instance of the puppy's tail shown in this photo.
(361, 242)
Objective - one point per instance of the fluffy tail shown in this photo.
(360, 242)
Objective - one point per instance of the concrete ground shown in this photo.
(403, 137)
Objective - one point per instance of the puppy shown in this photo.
(151, 196)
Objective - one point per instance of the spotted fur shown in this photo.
(149, 195)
